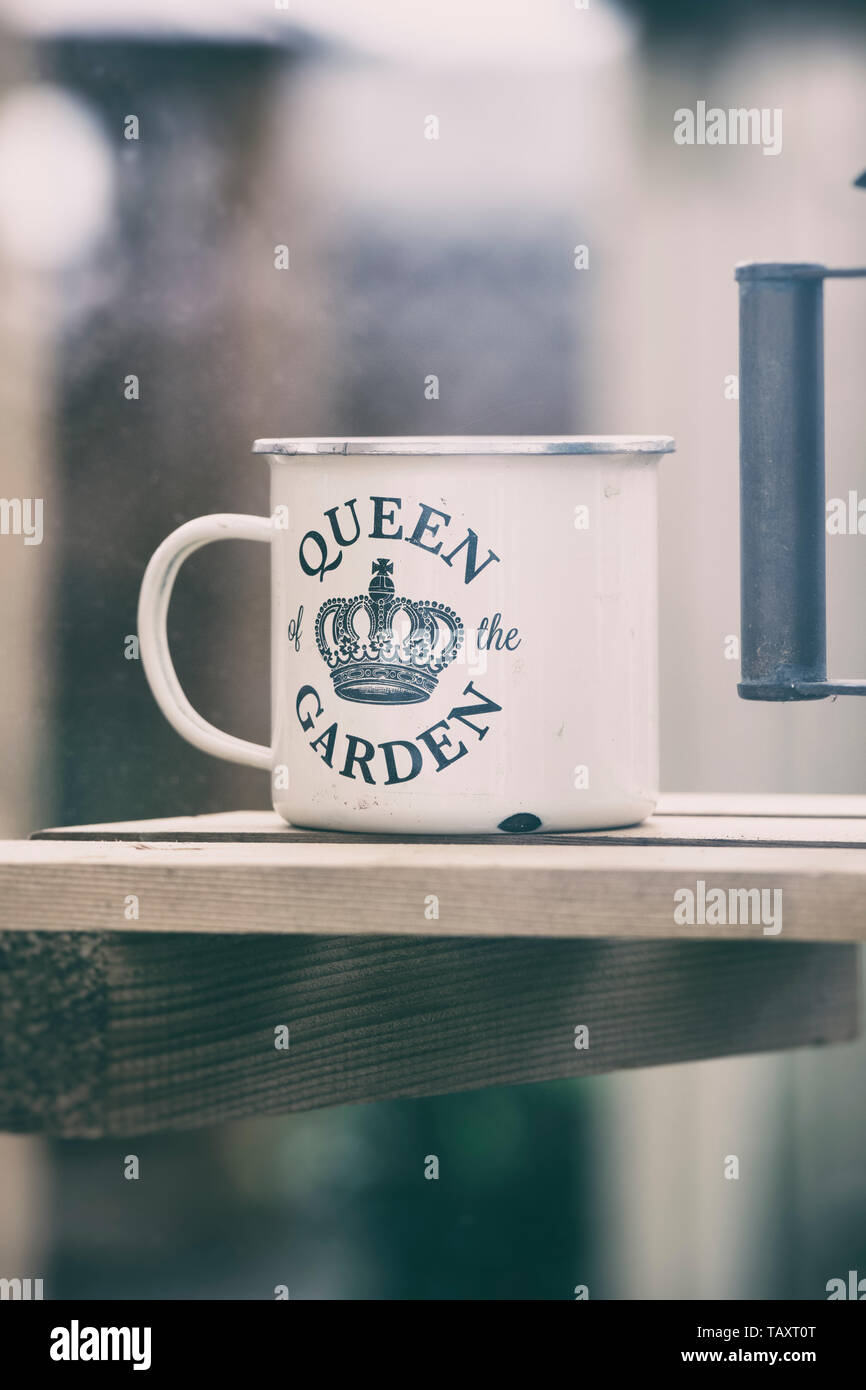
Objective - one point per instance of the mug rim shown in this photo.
(419, 445)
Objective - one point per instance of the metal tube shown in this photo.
(782, 546)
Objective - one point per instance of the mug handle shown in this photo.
(155, 596)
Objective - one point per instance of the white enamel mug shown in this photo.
(464, 633)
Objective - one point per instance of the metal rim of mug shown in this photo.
(471, 445)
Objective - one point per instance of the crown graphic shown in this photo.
(384, 649)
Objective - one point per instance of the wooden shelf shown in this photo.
(114, 1024)
(248, 871)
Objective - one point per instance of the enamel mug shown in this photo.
(464, 633)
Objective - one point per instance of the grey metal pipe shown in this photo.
(782, 546)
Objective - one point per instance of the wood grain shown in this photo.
(113, 1024)
(497, 890)
(119, 1033)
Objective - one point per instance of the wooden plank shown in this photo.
(496, 890)
(115, 1033)
(115, 1026)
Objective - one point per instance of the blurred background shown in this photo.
(153, 157)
